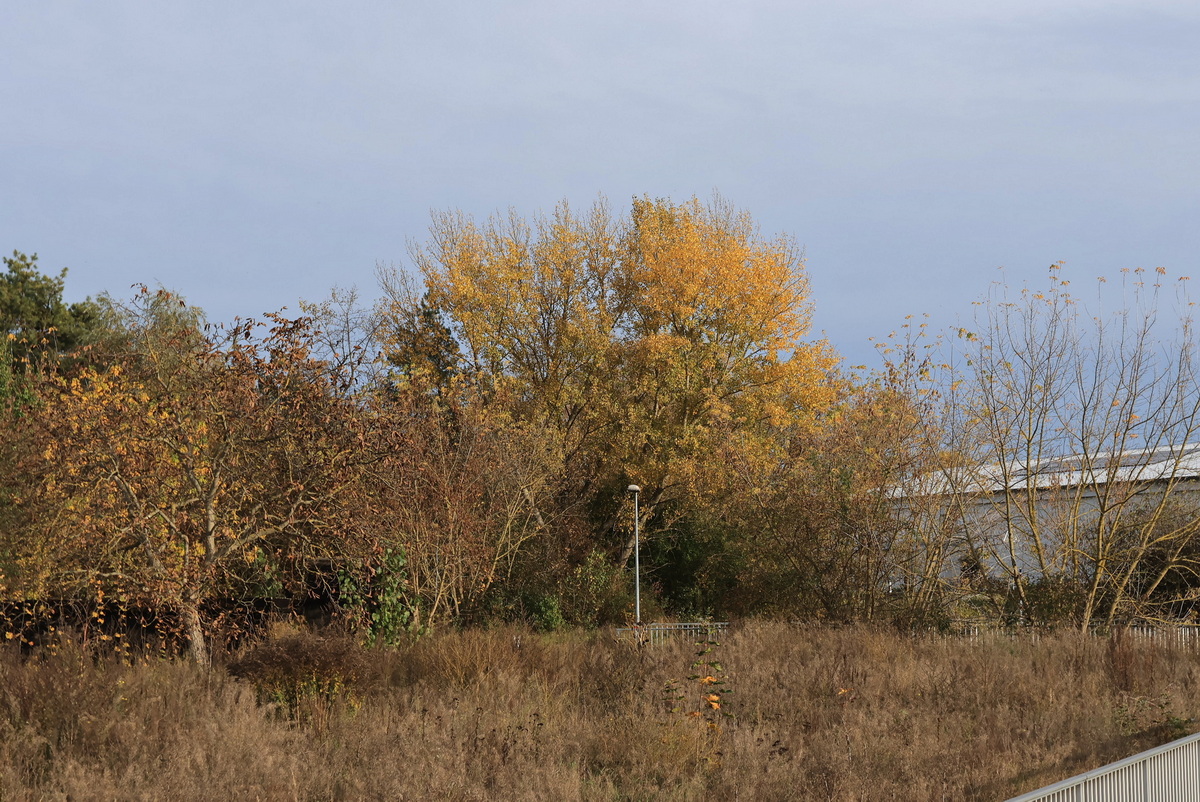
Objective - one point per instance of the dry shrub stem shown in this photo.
(853, 714)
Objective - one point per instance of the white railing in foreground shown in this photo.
(1168, 773)
(658, 634)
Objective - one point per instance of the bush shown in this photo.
(304, 676)
(377, 599)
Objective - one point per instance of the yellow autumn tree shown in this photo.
(714, 339)
(643, 341)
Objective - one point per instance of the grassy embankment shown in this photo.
(804, 713)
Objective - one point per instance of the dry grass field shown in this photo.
(772, 712)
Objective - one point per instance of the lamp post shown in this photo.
(637, 559)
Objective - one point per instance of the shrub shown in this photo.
(304, 675)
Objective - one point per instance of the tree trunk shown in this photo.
(193, 624)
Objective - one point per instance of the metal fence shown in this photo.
(1183, 636)
(1168, 773)
(658, 634)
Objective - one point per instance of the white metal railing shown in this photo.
(1184, 636)
(1168, 773)
(658, 634)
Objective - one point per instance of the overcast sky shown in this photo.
(249, 154)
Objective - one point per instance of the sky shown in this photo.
(249, 154)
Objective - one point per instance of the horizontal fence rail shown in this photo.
(658, 634)
(1168, 773)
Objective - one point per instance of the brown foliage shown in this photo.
(460, 489)
(195, 464)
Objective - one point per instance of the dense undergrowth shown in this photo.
(772, 712)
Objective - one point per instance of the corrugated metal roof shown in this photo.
(1100, 468)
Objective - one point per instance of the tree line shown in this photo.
(460, 451)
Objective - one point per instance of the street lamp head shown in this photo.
(634, 489)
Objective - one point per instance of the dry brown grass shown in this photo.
(508, 714)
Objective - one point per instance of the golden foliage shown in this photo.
(643, 341)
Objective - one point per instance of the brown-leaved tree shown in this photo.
(193, 469)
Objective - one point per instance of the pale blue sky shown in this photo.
(249, 154)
